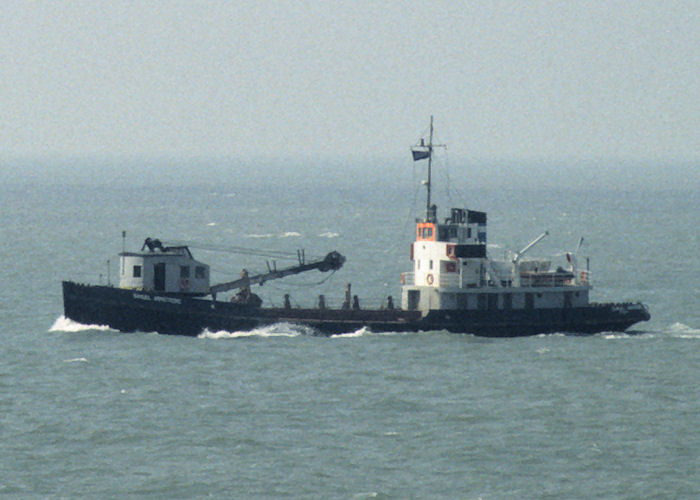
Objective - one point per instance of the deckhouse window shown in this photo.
(200, 272)
(137, 271)
(184, 271)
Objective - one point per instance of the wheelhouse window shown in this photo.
(184, 271)
(426, 231)
(200, 272)
(137, 271)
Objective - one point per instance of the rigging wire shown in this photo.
(394, 247)
(273, 254)
(449, 188)
(412, 207)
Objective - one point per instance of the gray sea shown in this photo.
(86, 412)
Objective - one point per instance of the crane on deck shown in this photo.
(331, 262)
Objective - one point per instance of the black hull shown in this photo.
(128, 311)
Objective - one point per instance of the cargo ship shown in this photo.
(454, 286)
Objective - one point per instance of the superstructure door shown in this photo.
(159, 277)
(413, 299)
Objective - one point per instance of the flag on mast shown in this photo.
(421, 151)
(420, 155)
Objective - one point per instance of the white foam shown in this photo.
(616, 335)
(682, 331)
(366, 332)
(329, 234)
(629, 335)
(357, 333)
(212, 224)
(63, 324)
(286, 234)
(75, 360)
(276, 330)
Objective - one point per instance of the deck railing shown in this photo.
(408, 278)
(526, 280)
(555, 280)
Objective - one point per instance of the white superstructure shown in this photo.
(452, 270)
(163, 270)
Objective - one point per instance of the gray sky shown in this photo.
(533, 80)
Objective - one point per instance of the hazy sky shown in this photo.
(552, 80)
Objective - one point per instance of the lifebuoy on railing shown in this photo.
(429, 279)
(184, 284)
(403, 278)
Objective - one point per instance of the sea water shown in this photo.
(280, 413)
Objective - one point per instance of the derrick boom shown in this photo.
(331, 262)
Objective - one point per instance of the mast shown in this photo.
(430, 165)
(421, 152)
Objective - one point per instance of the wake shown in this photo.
(276, 330)
(63, 324)
(682, 331)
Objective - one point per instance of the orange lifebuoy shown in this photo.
(429, 279)
(403, 278)
(184, 284)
